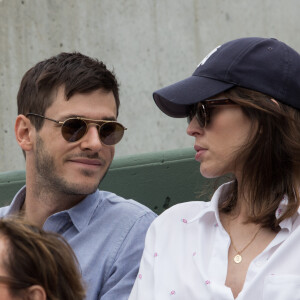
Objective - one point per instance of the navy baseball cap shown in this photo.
(260, 64)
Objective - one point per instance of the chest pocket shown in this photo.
(281, 287)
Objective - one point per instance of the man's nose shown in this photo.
(91, 140)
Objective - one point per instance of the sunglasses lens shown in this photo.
(201, 115)
(190, 118)
(111, 133)
(191, 113)
(73, 130)
(199, 112)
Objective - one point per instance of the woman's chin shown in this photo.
(209, 172)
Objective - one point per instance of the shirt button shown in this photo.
(259, 263)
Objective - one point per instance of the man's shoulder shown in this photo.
(120, 205)
(123, 220)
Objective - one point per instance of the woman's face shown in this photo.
(217, 144)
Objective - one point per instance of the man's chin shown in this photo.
(84, 183)
(81, 189)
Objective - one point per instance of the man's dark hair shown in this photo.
(76, 72)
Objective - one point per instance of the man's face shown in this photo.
(74, 168)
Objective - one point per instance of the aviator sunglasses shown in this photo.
(203, 109)
(73, 129)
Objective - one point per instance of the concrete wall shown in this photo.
(149, 44)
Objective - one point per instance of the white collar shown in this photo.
(212, 207)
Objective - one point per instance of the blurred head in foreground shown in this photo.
(36, 265)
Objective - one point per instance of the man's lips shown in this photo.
(88, 161)
(200, 151)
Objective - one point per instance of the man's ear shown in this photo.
(36, 292)
(24, 132)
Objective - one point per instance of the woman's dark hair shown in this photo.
(271, 158)
(36, 257)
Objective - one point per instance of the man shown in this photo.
(67, 129)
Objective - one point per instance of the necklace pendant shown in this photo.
(237, 259)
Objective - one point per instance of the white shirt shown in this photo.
(186, 257)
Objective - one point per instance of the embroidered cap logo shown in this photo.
(208, 56)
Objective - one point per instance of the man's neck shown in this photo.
(40, 204)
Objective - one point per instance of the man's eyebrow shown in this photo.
(109, 119)
(83, 117)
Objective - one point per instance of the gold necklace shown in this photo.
(238, 257)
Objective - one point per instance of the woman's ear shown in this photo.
(24, 132)
(36, 292)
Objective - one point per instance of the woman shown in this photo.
(36, 265)
(243, 109)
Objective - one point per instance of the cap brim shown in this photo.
(175, 100)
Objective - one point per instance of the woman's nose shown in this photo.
(194, 127)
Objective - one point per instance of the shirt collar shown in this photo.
(286, 223)
(80, 214)
(17, 202)
(212, 207)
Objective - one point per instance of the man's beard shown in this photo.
(49, 179)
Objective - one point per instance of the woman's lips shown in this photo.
(199, 152)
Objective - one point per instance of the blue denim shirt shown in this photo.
(107, 234)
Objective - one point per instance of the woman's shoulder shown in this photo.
(188, 212)
(176, 223)
(182, 211)
(190, 207)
